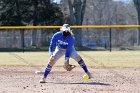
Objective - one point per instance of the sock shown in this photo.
(47, 70)
(83, 65)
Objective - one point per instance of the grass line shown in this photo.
(95, 59)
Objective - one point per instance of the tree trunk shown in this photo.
(34, 33)
(138, 37)
(77, 11)
(19, 23)
(72, 20)
(83, 10)
(137, 5)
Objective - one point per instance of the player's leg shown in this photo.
(80, 61)
(56, 55)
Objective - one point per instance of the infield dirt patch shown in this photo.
(107, 80)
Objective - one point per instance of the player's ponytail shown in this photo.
(71, 33)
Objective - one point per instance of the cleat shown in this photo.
(43, 80)
(39, 72)
(89, 74)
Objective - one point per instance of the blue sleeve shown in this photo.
(69, 47)
(52, 44)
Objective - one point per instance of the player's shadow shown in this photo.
(88, 83)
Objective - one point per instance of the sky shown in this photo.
(122, 0)
(57, 1)
(114, 0)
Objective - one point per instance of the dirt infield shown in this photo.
(107, 80)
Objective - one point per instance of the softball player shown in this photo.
(64, 42)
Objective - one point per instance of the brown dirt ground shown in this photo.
(105, 80)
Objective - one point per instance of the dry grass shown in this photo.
(92, 58)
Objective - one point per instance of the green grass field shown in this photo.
(92, 58)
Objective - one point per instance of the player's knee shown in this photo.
(78, 58)
(51, 62)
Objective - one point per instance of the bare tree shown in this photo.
(137, 5)
(77, 11)
(109, 12)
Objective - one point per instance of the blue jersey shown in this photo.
(63, 43)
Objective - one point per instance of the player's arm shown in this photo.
(67, 66)
(68, 50)
(52, 44)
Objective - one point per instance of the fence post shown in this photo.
(22, 38)
(110, 35)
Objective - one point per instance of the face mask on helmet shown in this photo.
(66, 33)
